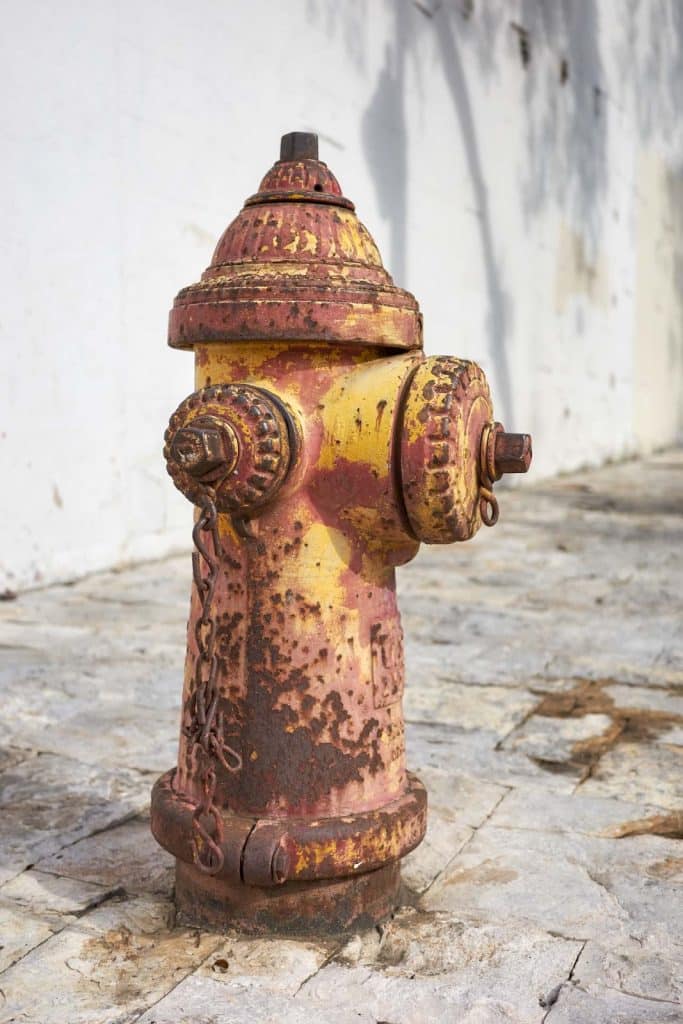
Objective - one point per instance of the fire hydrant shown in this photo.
(320, 448)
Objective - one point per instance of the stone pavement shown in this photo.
(545, 671)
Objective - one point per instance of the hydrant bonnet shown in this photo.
(296, 264)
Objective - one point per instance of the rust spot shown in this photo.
(669, 825)
(628, 724)
(670, 867)
(486, 873)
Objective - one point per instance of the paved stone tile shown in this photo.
(501, 659)
(672, 737)
(435, 966)
(458, 805)
(49, 801)
(495, 708)
(9, 756)
(34, 906)
(201, 1000)
(477, 753)
(93, 637)
(669, 702)
(122, 736)
(459, 796)
(649, 967)
(280, 965)
(32, 705)
(648, 773)
(568, 884)
(47, 707)
(110, 966)
(20, 932)
(124, 856)
(553, 740)
(533, 810)
(51, 896)
(608, 1006)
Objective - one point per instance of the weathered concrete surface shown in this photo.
(545, 670)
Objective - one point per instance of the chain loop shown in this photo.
(205, 726)
(488, 503)
(488, 506)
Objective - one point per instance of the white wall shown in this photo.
(539, 223)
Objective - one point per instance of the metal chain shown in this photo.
(205, 728)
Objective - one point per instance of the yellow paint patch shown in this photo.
(323, 546)
(359, 413)
(310, 241)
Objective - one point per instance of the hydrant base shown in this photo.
(327, 906)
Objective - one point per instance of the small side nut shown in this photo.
(207, 449)
(503, 453)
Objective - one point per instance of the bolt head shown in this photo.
(206, 450)
(512, 452)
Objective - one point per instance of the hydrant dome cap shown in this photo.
(296, 264)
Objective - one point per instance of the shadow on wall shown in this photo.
(385, 145)
(385, 142)
(566, 109)
(651, 49)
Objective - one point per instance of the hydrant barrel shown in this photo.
(320, 447)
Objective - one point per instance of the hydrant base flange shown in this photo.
(269, 852)
(328, 906)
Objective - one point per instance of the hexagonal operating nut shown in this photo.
(504, 453)
(207, 449)
(512, 453)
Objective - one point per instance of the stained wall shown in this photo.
(519, 163)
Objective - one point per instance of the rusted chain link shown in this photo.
(205, 727)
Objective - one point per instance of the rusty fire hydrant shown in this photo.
(320, 447)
